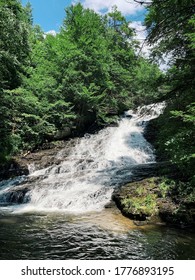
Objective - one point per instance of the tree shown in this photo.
(14, 54)
(98, 63)
(14, 47)
(171, 29)
(86, 74)
(146, 82)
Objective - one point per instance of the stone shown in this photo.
(143, 202)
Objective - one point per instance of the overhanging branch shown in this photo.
(141, 2)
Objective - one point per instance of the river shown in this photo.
(63, 215)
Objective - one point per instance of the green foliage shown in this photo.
(171, 29)
(166, 186)
(14, 47)
(51, 85)
(178, 190)
(169, 23)
(141, 204)
(147, 78)
(14, 55)
(97, 61)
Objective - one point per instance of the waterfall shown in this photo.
(85, 179)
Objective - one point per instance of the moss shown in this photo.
(139, 199)
(143, 204)
(158, 197)
(166, 186)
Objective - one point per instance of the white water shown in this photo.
(84, 181)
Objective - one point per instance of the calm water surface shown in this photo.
(103, 235)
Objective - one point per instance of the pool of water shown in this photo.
(98, 235)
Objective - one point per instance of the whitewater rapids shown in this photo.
(85, 179)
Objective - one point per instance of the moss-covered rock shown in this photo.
(152, 200)
(138, 200)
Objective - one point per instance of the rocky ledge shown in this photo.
(46, 156)
(149, 201)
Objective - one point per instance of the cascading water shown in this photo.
(85, 179)
(78, 186)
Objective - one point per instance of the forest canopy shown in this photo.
(55, 86)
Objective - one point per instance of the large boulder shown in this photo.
(147, 200)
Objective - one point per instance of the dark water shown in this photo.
(105, 235)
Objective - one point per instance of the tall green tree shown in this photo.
(14, 47)
(14, 54)
(105, 58)
(171, 28)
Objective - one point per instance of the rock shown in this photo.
(18, 193)
(45, 156)
(137, 200)
(63, 134)
(13, 169)
(145, 203)
(140, 223)
(177, 214)
(17, 196)
(151, 131)
(110, 204)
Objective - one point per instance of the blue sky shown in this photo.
(49, 14)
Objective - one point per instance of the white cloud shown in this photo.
(127, 8)
(139, 28)
(51, 32)
(140, 31)
(164, 63)
(145, 49)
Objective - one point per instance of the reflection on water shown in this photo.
(103, 235)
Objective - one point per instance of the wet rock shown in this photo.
(16, 195)
(144, 201)
(140, 223)
(13, 169)
(177, 214)
(49, 154)
(110, 204)
(137, 200)
(151, 131)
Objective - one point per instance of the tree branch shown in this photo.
(141, 2)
